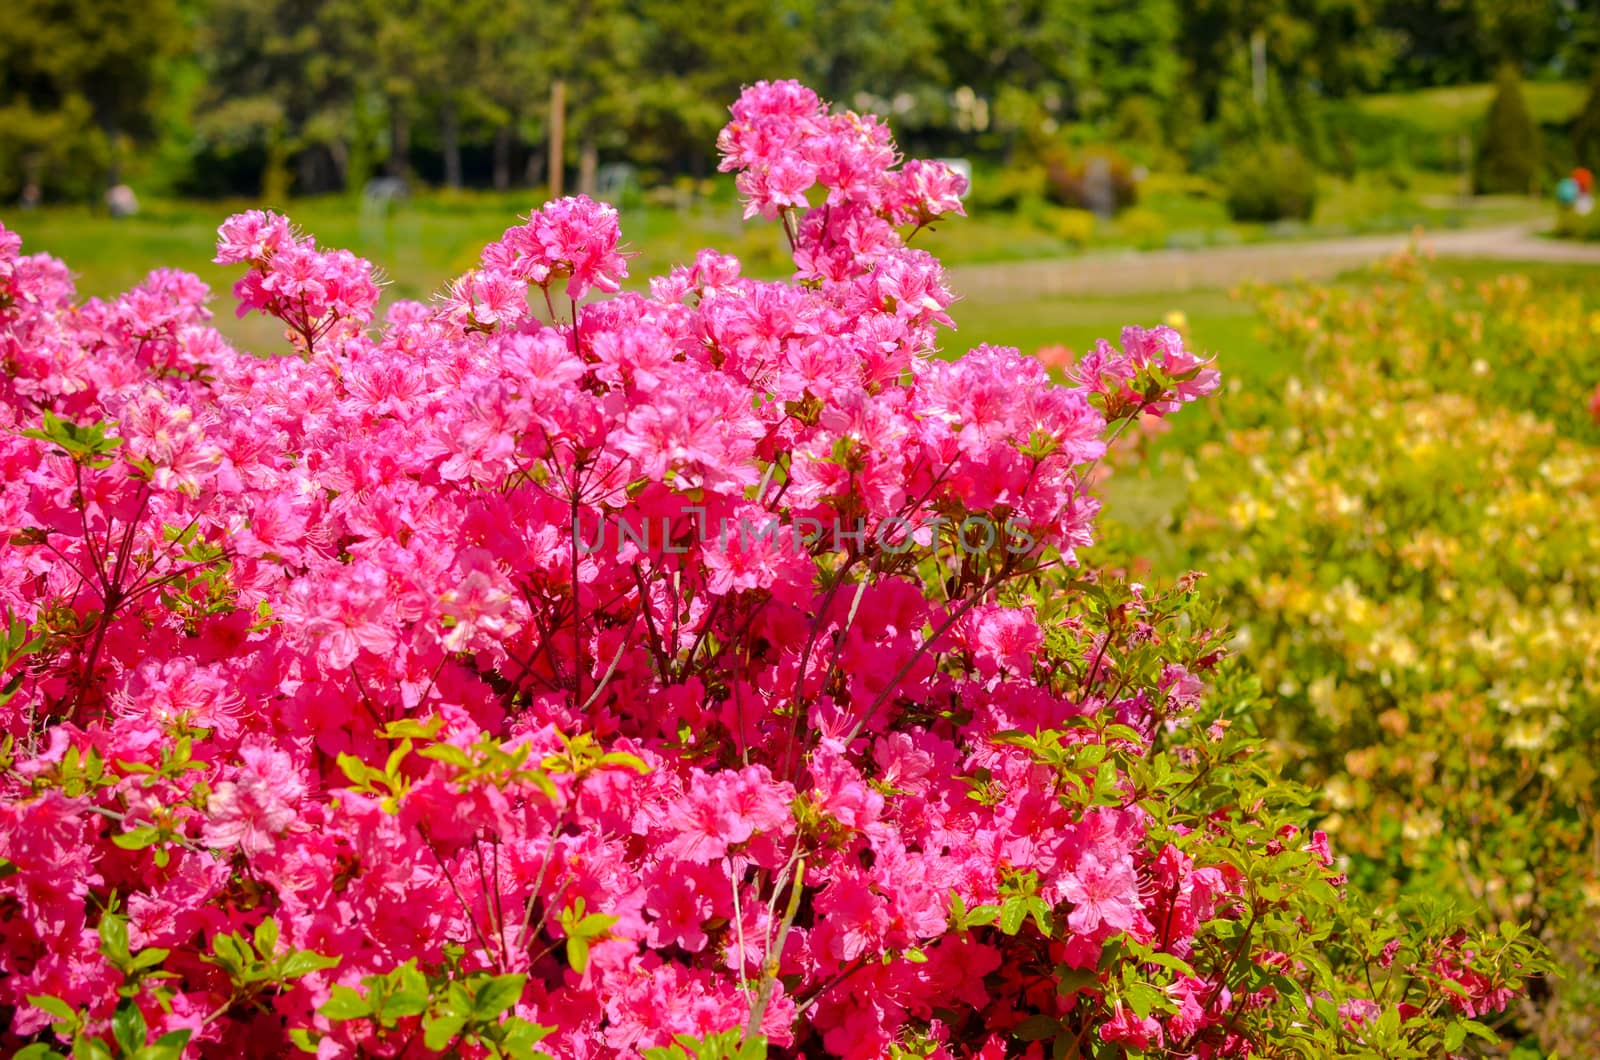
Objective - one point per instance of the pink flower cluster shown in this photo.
(313, 659)
(782, 143)
(573, 239)
(317, 293)
(1152, 373)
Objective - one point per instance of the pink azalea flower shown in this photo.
(1104, 895)
(258, 802)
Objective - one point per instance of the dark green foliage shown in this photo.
(1508, 154)
(269, 97)
(1272, 183)
(1012, 189)
(1586, 128)
(1131, 53)
(77, 78)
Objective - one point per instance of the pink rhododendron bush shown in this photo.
(707, 672)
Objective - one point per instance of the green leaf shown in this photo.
(458, 1000)
(411, 727)
(38, 1051)
(391, 766)
(496, 995)
(623, 760)
(229, 950)
(1072, 980)
(596, 924)
(266, 938)
(345, 1003)
(447, 753)
(114, 938)
(981, 916)
(578, 953)
(1170, 962)
(55, 1006)
(400, 1005)
(169, 1046)
(128, 1027)
(440, 1031)
(1042, 915)
(1144, 999)
(518, 1038)
(357, 770)
(1037, 1028)
(410, 997)
(148, 958)
(304, 962)
(1012, 914)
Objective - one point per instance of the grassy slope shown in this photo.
(1454, 110)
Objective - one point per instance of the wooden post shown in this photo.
(1258, 68)
(558, 133)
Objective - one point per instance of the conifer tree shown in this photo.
(1508, 154)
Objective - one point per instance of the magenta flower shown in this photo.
(258, 803)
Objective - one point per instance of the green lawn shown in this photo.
(1451, 111)
(1217, 323)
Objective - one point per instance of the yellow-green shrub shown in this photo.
(1407, 540)
(1071, 226)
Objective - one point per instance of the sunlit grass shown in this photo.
(1455, 109)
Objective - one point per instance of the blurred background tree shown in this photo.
(1586, 128)
(223, 98)
(80, 81)
(1508, 156)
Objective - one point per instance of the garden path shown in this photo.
(1133, 272)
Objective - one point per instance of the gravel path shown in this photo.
(1133, 272)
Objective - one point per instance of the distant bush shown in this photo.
(1508, 153)
(1091, 178)
(1569, 225)
(1137, 121)
(1274, 183)
(1398, 177)
(1070, 225)
(1145, 229)
(1009, 190)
